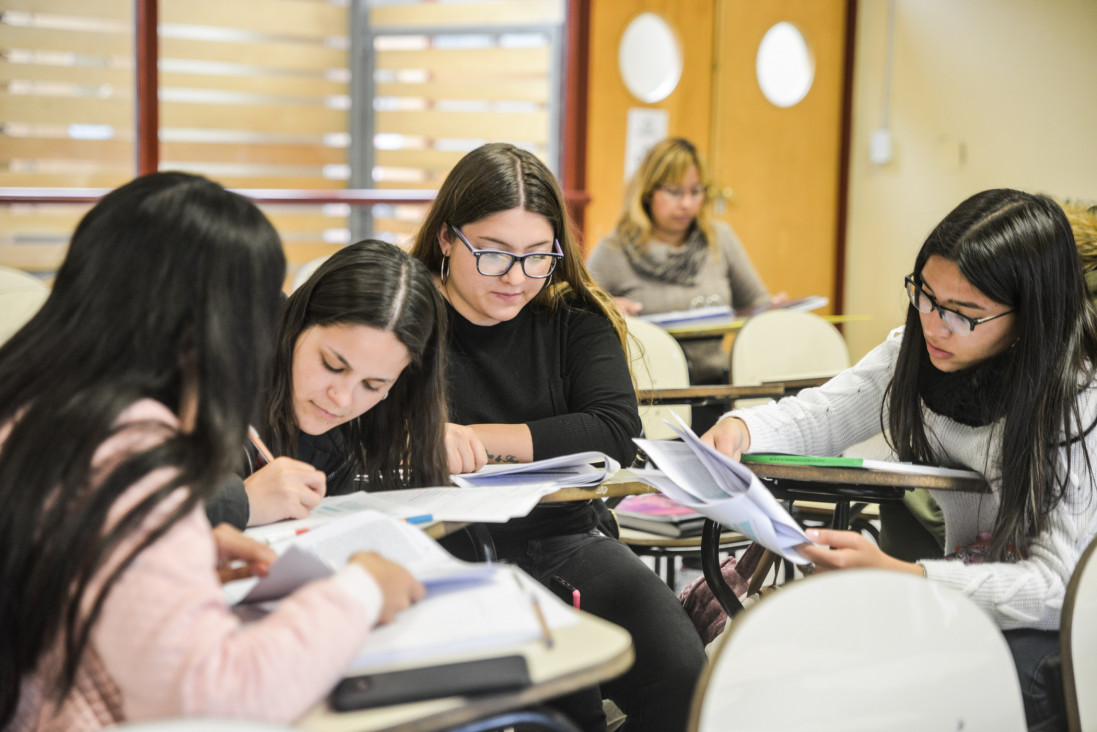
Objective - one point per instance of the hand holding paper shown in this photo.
(713, 484)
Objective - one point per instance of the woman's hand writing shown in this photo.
(284, 489)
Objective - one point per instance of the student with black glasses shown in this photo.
(995, 372)
(536, 369)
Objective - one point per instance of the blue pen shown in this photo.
(426, 518)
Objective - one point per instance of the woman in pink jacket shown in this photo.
(123, 404)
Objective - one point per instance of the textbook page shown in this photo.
(322, 551)
(578, 469)
(741, 501)
(474, 505)
(476, 618)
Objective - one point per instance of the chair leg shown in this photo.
(538, 718)
(710, 566)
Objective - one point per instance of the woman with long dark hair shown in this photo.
(994, 371)
(357, 387)
(537, 369)
(123, 403)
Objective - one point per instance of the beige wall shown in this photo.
(985, 94)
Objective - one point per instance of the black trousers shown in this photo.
(1039, 668)
(656, 693)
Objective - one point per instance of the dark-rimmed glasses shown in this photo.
(496, 263)
(958, 324)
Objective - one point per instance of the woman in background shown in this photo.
(123, 403)
(537, 369)
(669, 253)
(357, 388)
(994, 371)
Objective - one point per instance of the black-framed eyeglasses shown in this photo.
(957, 323)
(496, 263)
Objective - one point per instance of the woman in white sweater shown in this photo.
(994, 371)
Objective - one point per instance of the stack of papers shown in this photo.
(321, 552)
(576, 470)
(711, 483)
(718, 314)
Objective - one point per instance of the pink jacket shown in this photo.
(167, 645)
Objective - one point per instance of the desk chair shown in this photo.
(780, 345)
(21, 294)
(1078, 639)
(305, 271)
(861, 650)
(657, 362)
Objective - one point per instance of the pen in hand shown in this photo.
(264, 451)
(546, 634)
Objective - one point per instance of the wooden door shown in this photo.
(780, 168)
(688, 107)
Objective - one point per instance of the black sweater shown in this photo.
(562, 373)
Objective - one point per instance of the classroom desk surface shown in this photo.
(701, 395)
(856, 483)
(688, 332)
(584, 654)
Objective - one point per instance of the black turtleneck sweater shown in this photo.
(563, 374)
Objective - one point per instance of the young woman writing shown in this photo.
(356, 388)
(994, 371)
(141, 370)
(536, 369)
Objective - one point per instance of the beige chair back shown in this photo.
(1078, 638)
(21, 295)
(657, 363)
(861, 650)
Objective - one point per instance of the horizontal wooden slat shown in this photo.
(396, 185)
(287, 85)
(65, 110)
(79, 42)
(57, 180)
(121, 78)
(271, 118)
(37, 148)
(251, 154)
(286, 223)
(297, 253)
(271, 54)
(277, 17)
(530, 126)
(101, 9)
(526, 12)
(13, 224)
(435, 161)
(269, 181)
(33, 258)
(397, 226)
(497, 90)
(488, 61)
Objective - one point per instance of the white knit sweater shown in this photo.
(846, 410)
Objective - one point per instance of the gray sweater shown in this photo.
(728, 278)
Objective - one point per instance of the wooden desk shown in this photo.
(716, 393)
(718, 328)
(584, 654)
(622, 483)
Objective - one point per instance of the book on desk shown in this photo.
(658, 514)
(714, 314)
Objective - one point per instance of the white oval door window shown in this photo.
(784, 66)
(649, 58)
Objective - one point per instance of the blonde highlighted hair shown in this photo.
(665, 164)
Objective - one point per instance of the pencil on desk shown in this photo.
(546, 634)
(264, 451)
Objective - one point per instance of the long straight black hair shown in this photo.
(1017, 249)
(400, 442)
(160, 294)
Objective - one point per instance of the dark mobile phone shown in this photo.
(504, 673)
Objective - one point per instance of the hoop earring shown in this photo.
(443, 271)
